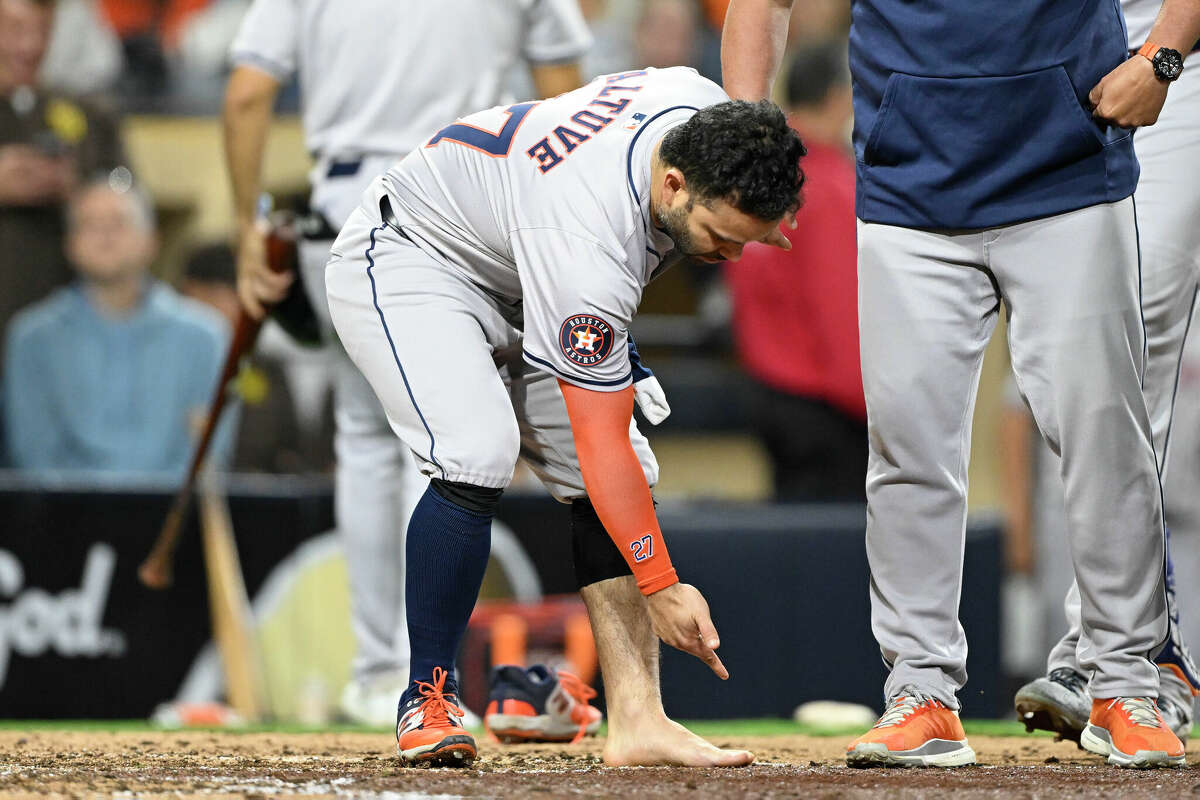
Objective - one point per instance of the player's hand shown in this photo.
(679, 616)
(257, 286)
(651, 399)
(1130, 96)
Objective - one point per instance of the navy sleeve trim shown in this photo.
(573, 378)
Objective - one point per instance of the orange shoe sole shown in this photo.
(510, 728)
(452, 751)
(1098, 740)
(933, 753)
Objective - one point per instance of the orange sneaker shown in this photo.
(429, 729)
(535, 705)
(914, 731)
(1131, 732)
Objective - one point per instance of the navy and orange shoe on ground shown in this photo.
(429, 727)
(1132, 733)
(536, 705)
(915, 731)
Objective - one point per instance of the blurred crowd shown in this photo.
(107, 368)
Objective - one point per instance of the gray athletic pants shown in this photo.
(928, 302)
(1169, 228)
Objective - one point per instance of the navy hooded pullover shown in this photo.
(973, 113)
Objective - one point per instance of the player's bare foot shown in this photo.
(664, 742)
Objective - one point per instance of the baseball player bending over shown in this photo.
(485, 288)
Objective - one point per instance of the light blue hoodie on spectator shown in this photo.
(84, 392)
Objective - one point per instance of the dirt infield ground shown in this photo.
(210, 765)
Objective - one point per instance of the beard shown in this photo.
(674, 223)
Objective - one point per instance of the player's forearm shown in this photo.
(1177, 25)
(249, 109)
(616, 484)
(752, 46)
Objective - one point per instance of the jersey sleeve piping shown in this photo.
(605, 386)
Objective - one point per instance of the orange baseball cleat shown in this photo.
(915, 731)
(534, 705)
(1132, 733)
(430, 730)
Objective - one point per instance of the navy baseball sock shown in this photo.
(446, 554)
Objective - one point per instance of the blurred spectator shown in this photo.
(47, 142)
(269, 437)
(111, 373)
(84, 56)
(795, 320)
(148, 30)
(667, 34)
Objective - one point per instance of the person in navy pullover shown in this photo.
(995, 164)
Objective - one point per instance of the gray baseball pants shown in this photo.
(1168, 203)
(376, 485)
(928, 303)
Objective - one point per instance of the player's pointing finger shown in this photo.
(714, 662)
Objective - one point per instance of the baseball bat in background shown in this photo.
(229, 605)
(156, 571)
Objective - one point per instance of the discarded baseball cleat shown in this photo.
(536, 705)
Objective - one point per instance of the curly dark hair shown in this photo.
(742, 153)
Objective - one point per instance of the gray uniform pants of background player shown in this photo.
(444, 357)
(928, 303)
(377, 486)
(1168, 202)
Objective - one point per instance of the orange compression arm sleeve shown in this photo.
(615, 482)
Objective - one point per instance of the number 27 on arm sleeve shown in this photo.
(615, 482)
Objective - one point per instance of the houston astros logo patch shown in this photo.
(585, 339)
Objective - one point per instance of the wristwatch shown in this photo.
(1168, 63)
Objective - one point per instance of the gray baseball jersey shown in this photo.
(548, 203)
(379, 76)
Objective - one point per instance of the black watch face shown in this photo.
(1168, 63)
